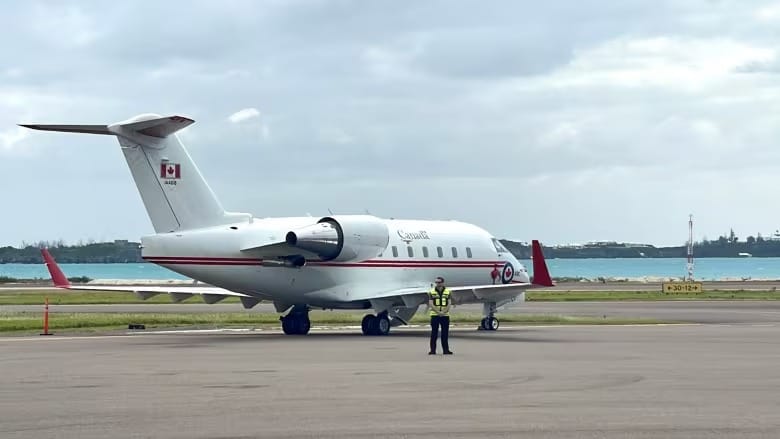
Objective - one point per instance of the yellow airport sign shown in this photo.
(682, 287)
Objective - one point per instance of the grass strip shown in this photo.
(23, 321)
(36, 297)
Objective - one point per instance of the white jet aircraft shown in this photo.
(299, 263)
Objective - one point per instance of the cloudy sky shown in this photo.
(560, 121)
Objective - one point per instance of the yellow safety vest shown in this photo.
(439, 301)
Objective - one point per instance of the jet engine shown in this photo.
(342, 238)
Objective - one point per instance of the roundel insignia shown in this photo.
(507, 273)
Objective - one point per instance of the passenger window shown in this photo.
(395, 251)
(454, 252)
(440, 252)
(425, 252)
(410, 251)
(468, 252)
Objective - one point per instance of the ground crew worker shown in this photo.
(439, 303)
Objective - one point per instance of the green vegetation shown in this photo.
(35, 297)
(13, 280)
(119, 251)
(32, 322)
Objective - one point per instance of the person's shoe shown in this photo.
(447, 352)
(432, 353)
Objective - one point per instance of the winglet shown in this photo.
(541, 274)
(59, 279)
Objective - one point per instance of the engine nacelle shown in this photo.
(342, 238)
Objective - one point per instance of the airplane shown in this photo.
(300, 263)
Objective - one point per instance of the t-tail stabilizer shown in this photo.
(174, 192)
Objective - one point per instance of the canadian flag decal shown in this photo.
(170, 170)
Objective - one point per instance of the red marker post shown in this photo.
(46, 318)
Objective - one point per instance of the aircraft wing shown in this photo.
(460, 294)
(209, 295)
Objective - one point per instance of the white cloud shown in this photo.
(244, 115)
(689, 63)
(12, 136)
(579, 107)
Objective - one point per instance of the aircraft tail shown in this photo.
(174, 192)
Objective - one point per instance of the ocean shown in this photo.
(704, 269)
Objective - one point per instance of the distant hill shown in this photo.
(122, 251)
(119, 251)
(720, 248)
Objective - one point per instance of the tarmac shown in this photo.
(713, 380)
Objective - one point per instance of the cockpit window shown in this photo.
(499, 247)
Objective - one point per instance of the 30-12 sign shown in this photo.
(682, 287)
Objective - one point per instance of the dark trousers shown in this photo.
(444, 321)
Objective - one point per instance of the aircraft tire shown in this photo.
(367, 324)
(493, 324)
(287, 326)
(381, 325)
(302, 325)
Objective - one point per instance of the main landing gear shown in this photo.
(376, 324)
(489, 322)
(296, 322)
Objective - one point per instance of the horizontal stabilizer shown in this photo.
(89, 129)
(160, 127)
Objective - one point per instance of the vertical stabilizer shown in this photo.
(174, 192)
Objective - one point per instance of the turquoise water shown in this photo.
(705, 269)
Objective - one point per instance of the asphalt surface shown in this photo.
(677, 381)
(673, 311)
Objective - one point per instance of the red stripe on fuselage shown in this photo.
(181, 260)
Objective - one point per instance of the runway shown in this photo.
(673, 311)
(681, 381)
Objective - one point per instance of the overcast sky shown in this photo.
(560, 121)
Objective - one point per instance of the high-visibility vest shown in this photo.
(439, 301)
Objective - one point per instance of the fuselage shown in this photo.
(416, 252)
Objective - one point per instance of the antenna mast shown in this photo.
(690, 248)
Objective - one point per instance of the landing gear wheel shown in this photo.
(302, 325)
(489, 324)
(367, 324)
(287, 325)
(296, 323)
(381, 325)
(375, 325)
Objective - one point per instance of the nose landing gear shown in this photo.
(489, 322)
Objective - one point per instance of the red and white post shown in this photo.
(46, 318)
